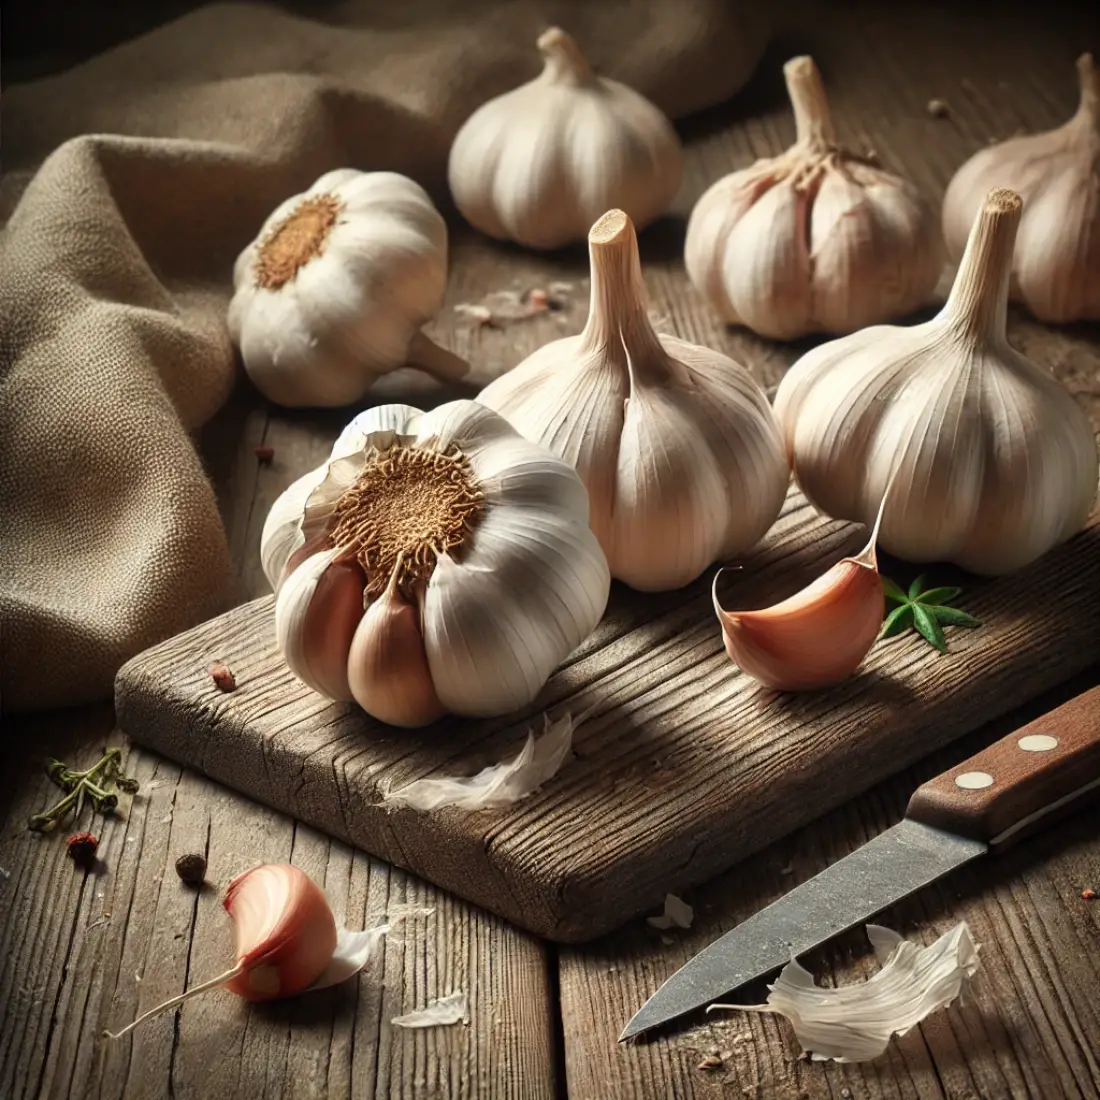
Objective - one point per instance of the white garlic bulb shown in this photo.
(1056, 267)
(676, 443)
(994, 461)
(436, 562)
(815, 240)
(333, 291)
(541, 163)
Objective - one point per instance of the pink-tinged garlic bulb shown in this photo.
(815, 240)
(1056, 263)
(437, 562)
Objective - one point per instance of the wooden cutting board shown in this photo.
(684, 767)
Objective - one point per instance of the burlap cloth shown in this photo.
(132, 182)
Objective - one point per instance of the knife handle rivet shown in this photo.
(973, 781)
(1037, 742)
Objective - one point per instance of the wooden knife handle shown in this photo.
(1020, 784)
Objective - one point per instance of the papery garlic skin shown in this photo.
(539, 164)
(815, 240)
(509, 581)
(332, 293)
(1056, 263)
(994, 460)
(675, 443)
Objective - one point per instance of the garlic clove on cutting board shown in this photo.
(540, 163)
(465, 569)
(817, 239)
(675, 443)
(332, 293)
(995, 462)
(1056, 263)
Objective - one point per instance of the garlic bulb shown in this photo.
(1056, 268)
(331, 294)
(995, 461)
(818, 636)
(539, 164)
(676, 443)
(436, 562)
(815, 240)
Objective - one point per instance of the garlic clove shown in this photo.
(317, 612)
(387, 668)
(282, 533)
(516, 472)
(523, 567)
(285, 931)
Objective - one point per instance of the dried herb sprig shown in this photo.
(925, 610)
(93, 785)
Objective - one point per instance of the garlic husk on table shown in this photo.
(539, 164)
(993, 461)
(817, 239)
(676, 443)
(437, 562)
(1056, 265)
(332, 293)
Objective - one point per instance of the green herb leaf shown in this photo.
(924, 620)
(938, 595)
(916, 587)
(901, 618)
(893, 591)
(952, 616)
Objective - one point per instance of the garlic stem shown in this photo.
(977, 308)
(1088, 110)
(565, 64)
(813, 122)
(617, 313)
(186, 995)
(440, 363)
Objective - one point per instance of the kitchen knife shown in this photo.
(1004, 793)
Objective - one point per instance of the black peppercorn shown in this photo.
(191, 869)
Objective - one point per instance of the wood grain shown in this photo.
(83, 952)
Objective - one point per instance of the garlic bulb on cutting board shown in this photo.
(993, 461)
(333, 291)
(815, 240)
(436, 562)
(1056, 266)
(541, 163)
(675, 443)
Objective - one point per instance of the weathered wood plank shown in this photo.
(81, 953)
(1032, 1031)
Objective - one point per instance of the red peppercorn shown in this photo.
(223, 676)
(264, 453)
(1089, 894)
(82, 849)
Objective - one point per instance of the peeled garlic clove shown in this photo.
(815, 240)
(1056, 263)
(332, 293)
(815, 638)
(387, 668)
(317, 612)
(539, 164)
(995, 462)
(675, 443)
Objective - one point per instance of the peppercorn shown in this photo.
(191, 869)
(223, 676)
(82, 849)
(1089, 894)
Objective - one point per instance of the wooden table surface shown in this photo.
(83, 952)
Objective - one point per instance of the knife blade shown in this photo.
(1005, 792)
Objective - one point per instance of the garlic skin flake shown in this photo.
(332, 293)
(1056, 264)
(993, 461)
(452, 1009)
(539, 164)
(497, 785)
(676, 443)
(854, 1023)
(677, 914)
(455, 562)
(815, 240)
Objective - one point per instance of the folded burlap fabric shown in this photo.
(132, 182)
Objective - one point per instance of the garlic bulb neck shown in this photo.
(813, 123)
(618, 314)
(564, 62)
(978, 304)
(1087, 119)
